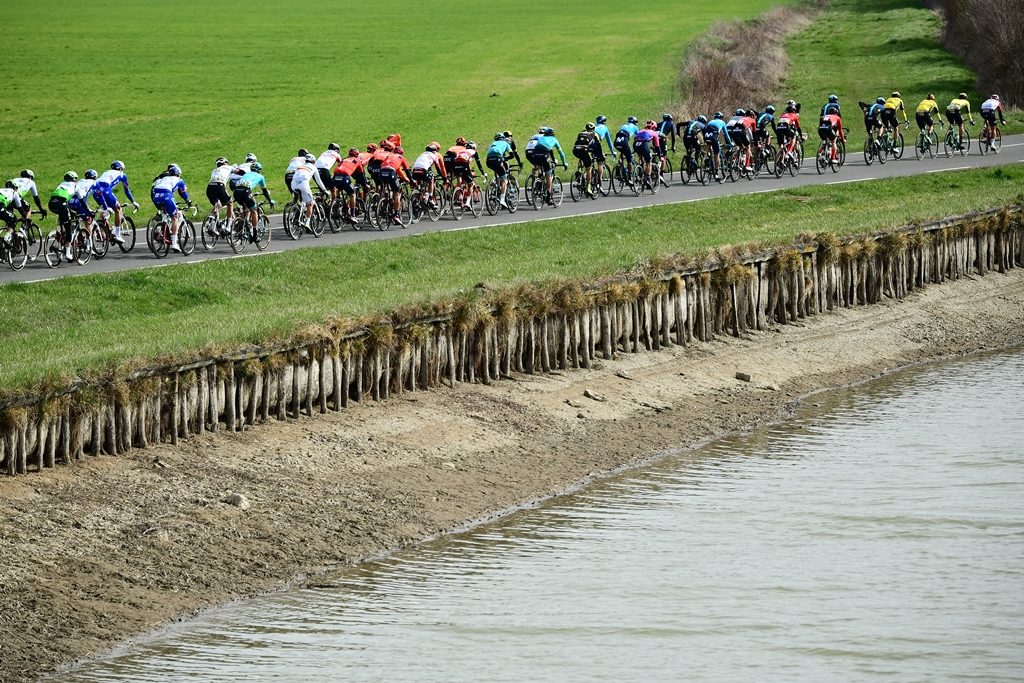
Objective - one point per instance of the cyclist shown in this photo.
(217, 188)
(989, 109)
(692, 135)
(103, 193)
(872, 116)
(423, 168)
(377, 158)
(351, 168)
(300, 185)
(891, 106)
(622, 143)
(540, 152)
(250, 159)
(294, 163)
(587, 149)
(25, 185)
(643, 141)
(9, 198)
(453, 151)
(79, 202)
(741, 130)
(832, 106)
(58, 205)
(923, 114)
(830, 128)
(394, 169)
(955, 113)
(716, 127)
(246, 184)
(603, 134)
(162, 195)
(326, 163)
(498, 155)
(461, 170)
(765, 119)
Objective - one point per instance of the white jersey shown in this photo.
(425, 161)
(83, 187)
(168, 183)
(67, 187)
(328, 160)
(25, 187)
(9, 196)
(306, 171)
(220, 175)
(109, 177)
(294, 164)
(990, 104)
(244, 168)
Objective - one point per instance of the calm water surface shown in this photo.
(879, 536)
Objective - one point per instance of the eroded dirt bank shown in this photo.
(95, 553)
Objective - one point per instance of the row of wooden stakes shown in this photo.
(484, 342)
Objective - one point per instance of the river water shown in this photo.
(877, 536)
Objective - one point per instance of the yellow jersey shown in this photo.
(959, 105)
(927, 107)
(894, 103)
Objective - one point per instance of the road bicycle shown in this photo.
(214, 228)
(295, 216)
(33, 234)
(706, 171)
(831, 154)
(158, 232)
(579, 188)
(790, 156)
(243, 232)
(492, 194)
(644, 182)
(990, 140)
(927, 143)
(469, 198)
(875, 150)
(56, 244)
(953, 143)
(764, 156)
(690, 164)
(101, 225)
(622, 177)
(666, 170)
(735, 165)
(382, 209)
(892, 141)
(14, 247)
(537, 193)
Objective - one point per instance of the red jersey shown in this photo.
(455, 150)
(397, 162)
(792, 118)
(350, 165)
(465, 156)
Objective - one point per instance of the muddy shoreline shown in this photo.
(93, 558)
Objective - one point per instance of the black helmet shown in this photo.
(590, 126)
(769, 109)
(506, 134)
(334, 147)
(221, 161)
(499, 136)
(602, 119)
(302, 152)
(91, 174)
(702, 118)
(470, 145)
(27, 173)
(741, 112)
(666, 117)
(549, 131)
(718, 115)
(631, 119)
(880, 100)
(833, 98)
(71, 176)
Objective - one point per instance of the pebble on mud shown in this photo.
(743, 376)
(594, 395)
(238, 500)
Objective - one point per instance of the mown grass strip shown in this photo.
(78, 324)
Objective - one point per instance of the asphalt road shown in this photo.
(854, 171)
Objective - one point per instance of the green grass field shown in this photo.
(188, 81)
(862, 49)
(76, 324)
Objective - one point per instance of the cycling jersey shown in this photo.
(874, 111)
(992, 105)
(65, 190)
(294, 164)
(251, 181)
(604, 136)
(713, 129)
(349, 166)
(220, 175)
(587, 140)
(398, 163)
(695, 128)
(958, 105)
(329, 159)
(630, 129)
(550, 144)
(103, 190)
(927, 107)
(764, 120)
(831, 108)
(9, 197)
(498, 149)
(25, 187)
(245, 168)
(894, 103)
(162, 193)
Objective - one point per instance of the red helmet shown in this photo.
(460, 141)
(353, 152)
(386, 145)
(371, 147)
(399, 150)
(396, 139)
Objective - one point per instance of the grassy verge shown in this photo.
(191, 80)
(78, 324)
(860, 49)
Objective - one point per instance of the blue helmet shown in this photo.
(666, 117)
(174, 169)
(256, 166)
(117, 165)
(91, 174)
(601, 119)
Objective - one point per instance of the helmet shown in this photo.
(995, 97)
(741, 112)
(507, 134)
(880, 100)
(435, 144)
(387, 145)
(310, 158)
(790, 103)
(650, 125)
(702, 118)
(250, 158)
(590, 126)
(460, 141)
(666, 117)
(931, 96)
(833, 98)
(601, 119)
(353, 152)
(71, 176)
(769, 109)
(9, 185)
(432, 147)
(895, 93)
(498, 136)
(471, 145)
(302, 152)
(257, 166)
(718, 115)
(117, 165)
(174, 169)
(372, 147)
(400, 150)
(333, 147)
(962, 96)
(540, 131)
(649, 122)
(91, 174)
(27, 173)
(549, 131)
(221, 161)
(631, 119)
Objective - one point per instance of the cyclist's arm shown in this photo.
(480, 167)
(319, 180)
(266, 191)
(128, 190)
(183, 191)
(608, 139)
(561, 154)
(1000, 110)
(970, 116)
(35, 195)
(903, 110)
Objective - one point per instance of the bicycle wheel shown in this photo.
(869, 152)
(512, 194)
(604, 182)
(80, 249)
(161, 239)
(949, 143)
(433, 204)
(53, 250)
(491, 197)
(615, 179)
(187, 237)
(921, 146)
(209, 232)
(334, 213)
(236, 236)
(262, 236)
(17, 250)
(667, 171)
(556, 191)
(821, 160)
(100, 243)
(834, 160)
(537, 194)
(458, 204)
(654, 181)
(318, 221)
(638, 179)
(476, 200)
(897, 145)
(965, 143)
(733, 163)
(288, 217)
(127, 234)
(35, 240)
(841, 152)
(576, 186)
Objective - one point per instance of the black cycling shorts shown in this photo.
(539, 158)
(924, 119)
(870, 124)
(989, 115)
(955, 117)
(889, 118)
(643, 149)
(325, 175)
(244, 198)
(216, 192)
(462, 171)
(582, 152)
(389, 178)
(344, 183)
(827, 132)
(498, 165)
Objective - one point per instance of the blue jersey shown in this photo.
(550, 143)
(498, 149)
(251, 181)
(764, 120)
(875, 110)
(715, 128)
(665, 128)
(628, 130)
(106, 183)
(830, 108)
(695, 128)
(604, 136)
